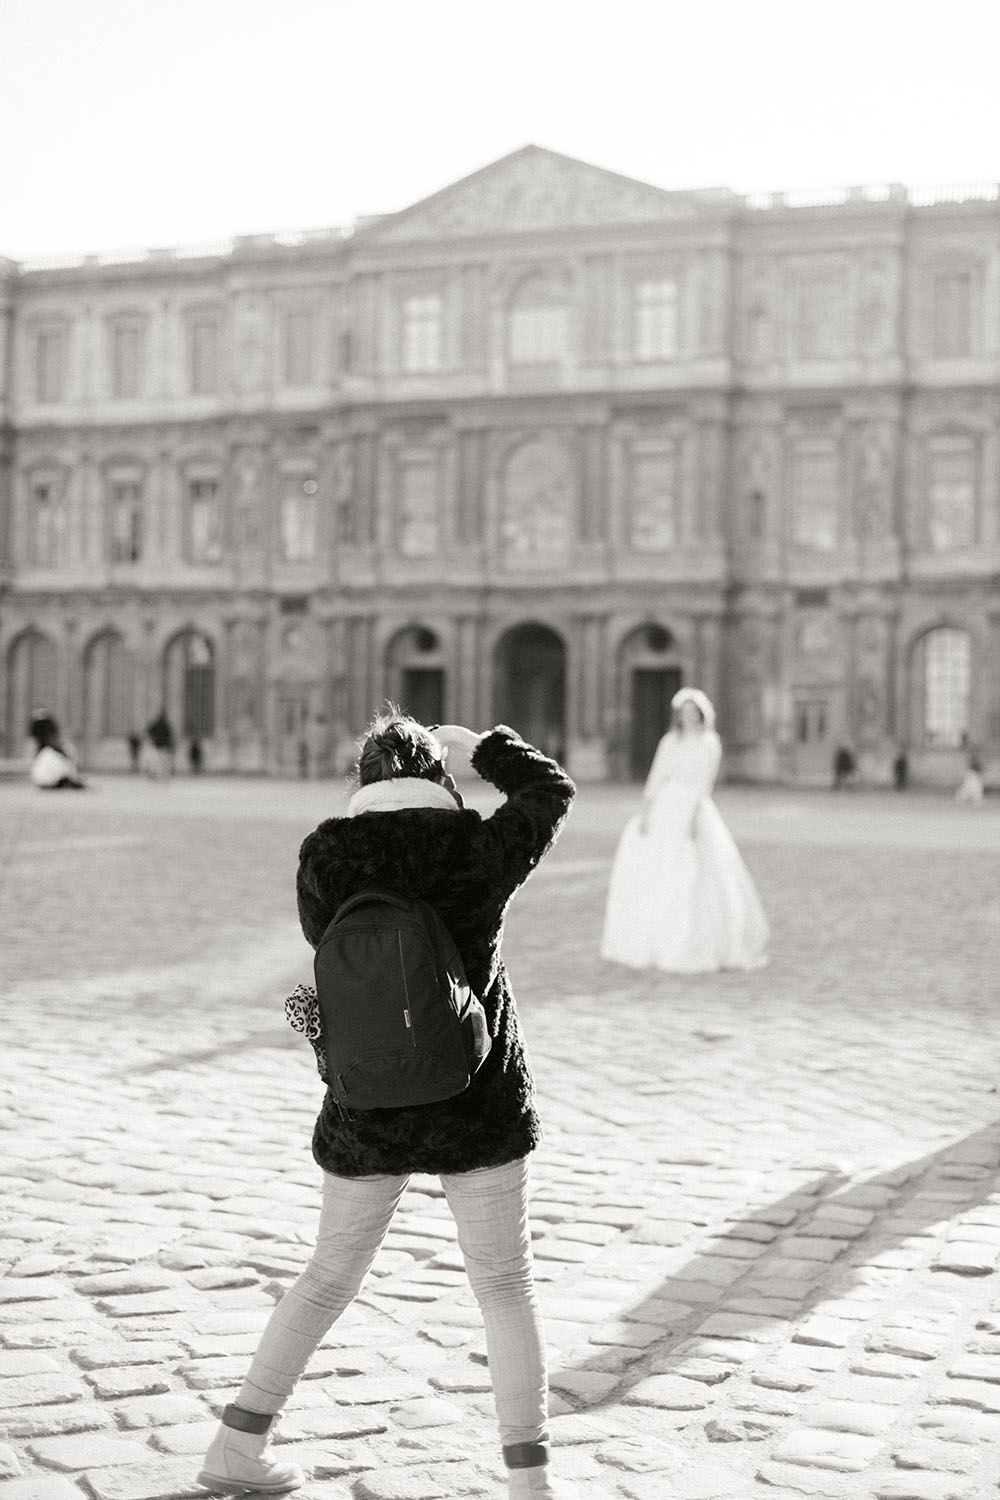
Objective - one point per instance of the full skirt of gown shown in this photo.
(683, 902)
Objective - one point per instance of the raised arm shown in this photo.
(538, 794)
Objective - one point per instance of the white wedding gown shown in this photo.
(680, 896)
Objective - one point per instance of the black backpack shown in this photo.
(400, 1022)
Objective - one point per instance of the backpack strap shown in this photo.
(388, 898)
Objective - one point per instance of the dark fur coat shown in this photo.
(468, 868)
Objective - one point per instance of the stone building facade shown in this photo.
(538, 449)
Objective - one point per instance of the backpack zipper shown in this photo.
(406, 1008)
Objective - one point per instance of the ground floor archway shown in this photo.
(189, 685)
(530, 685)
(32, 685)
(416, 675)
(651, 675)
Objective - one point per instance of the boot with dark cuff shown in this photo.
(237, 1457)
(529, 1476)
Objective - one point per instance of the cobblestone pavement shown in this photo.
(766, 1212)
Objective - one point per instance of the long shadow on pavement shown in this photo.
(836, 1211)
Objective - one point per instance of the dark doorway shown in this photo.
(531, 686)
(422, 694)
(189, 685)
(652, 690)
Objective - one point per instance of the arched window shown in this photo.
(538, 323)
(204, 515)
(108, 679)
(944, 666)
(32, 683)
(189, 684)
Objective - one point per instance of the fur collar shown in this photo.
(401, 794)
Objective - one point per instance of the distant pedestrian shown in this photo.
(196, 757)
(53, 765)
(44, 730)
(680, 897)
(134, 741)
(970, 789)
(844, 767)
(406, 830)
(161, 736)
(901, 771)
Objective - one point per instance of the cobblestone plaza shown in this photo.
(766, 1213)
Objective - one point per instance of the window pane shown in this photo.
(299, 519)
(126, 355)
(298, 348)
(126, 521)
(947, 680)
(48, 523)
(654, 486)
(820, 318)
(951, 494)
(204, 521)
(204, 356)
(814, 496)
(422, 328)
(50, 359)
(952, 329)
(418, 507)
(655, 307)
(537, 334)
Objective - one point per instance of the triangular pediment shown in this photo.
(534, 189)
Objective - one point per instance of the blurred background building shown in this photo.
(537, 449)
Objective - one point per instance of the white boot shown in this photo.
(237, 1460)
(535, 1481)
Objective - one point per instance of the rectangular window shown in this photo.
(203, 337)
(951, 493)
(126, 520)
(50, 364)
(951, 297)
(947, 684)
(820, 320)
(204, 520)
(47, 523)
(418, 506)
(299, 518)
(538, 334)
(814, 500)
(655, 320)
(423, 319)
(653, 487)
(299, 347)
(126, 359)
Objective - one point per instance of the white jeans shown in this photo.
(490, 1207)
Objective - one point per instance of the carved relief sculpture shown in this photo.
(536, 521)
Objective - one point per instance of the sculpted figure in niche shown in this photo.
(343, 489)
(869, 707)
(758, 314)
(874, 491)
(757, 490)
(247, 501)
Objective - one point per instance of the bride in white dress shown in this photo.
(680, 897)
